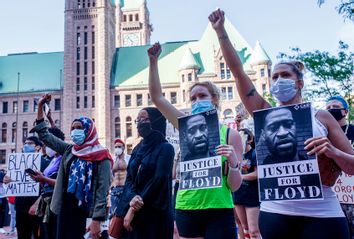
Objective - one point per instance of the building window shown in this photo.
(222, 70)
(93, 38)
(93, 4)
(182, 77)
(83, 3)
(184, 95)
(78, 102)
(228, 73)
(78, 38)
(78, 53)
(139, 100)
(24, 131)
(262, 72)
(35, 105)
(149, 100)
(85, 101)
(77, 84)
(124, 18)
(189, 76)
(93, 52)
(3, 156)
(14, 132)
(85, 83)
(85, 52)
(93, 83)
(223, 93)
(93, 68)
(230, 93)
(3, 132)
(269, 73)
(25, 106)
(136, 17)
(85, 38)
(130, 17)
(57, 104)
(117, 127)
(128, 123)
(14, 107)
(116, 103)
(77, 68)
(93, 101)
(5, 106)
(173, 97)
(128, 101)
(264, 87)
(85, 68)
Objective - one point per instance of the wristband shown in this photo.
(236, 168)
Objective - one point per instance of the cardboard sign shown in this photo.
(344, 188)
(200, 167)
(285, 171)
(21, 182)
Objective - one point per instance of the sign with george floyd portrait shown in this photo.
(18, 167)
(285, 171)
(200, 167)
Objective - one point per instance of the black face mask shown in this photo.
(336, 113)
(144, 129)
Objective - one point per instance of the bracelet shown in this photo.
(236, 168)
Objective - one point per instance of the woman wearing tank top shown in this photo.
(204, 213)
(294, 219)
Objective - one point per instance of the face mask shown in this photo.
(144, 129)
(50, 152)
(283, 89)
(202, 106)
(336, 113)
(27, 148)
(78, 136)
(118, 151)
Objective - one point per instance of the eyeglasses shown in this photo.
(143, 120)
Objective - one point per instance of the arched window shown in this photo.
(3, 132)
(14, 132)
(129, 129)
(117, 127)
(228, 113)
(24, 131)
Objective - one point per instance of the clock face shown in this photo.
(131, 39)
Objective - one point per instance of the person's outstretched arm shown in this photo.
(166, 108)
(248, 94)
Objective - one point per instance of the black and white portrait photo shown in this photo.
(285, 171)
(200, 166)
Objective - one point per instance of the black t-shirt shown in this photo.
(350, 133)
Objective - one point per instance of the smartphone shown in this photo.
(46, 108)
(30, 171)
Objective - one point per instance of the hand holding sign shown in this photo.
(229, 152)
(321, 146)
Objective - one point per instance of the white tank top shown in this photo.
(328, 207)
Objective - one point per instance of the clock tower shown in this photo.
(133, 26)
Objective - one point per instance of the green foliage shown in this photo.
(345, 8)
(269, 98)
(331, 74)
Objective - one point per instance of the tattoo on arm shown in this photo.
(251, 92)
(223, 37)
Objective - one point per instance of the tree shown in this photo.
(331, 74)
(345, 8)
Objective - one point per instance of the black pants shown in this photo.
(278, 226)
(49, 229)
(27, 226)
(3, 210)
(207, 223)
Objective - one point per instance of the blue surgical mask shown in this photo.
(283, 89)
(202, 106)
(78, 136)
(27, 148)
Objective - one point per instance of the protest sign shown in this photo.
(285, 171)
(200, 167)
(21, 182)
(344, 188)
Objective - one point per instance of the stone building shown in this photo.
(103, 72)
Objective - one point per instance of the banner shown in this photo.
(285, 171)
(21, 182)
(200, 167)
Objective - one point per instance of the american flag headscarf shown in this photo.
(91, 150)
(81, 169)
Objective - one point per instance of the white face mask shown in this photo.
(118, 151)
(50, 152)
(283, 89)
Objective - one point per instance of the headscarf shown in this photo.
(158, 121)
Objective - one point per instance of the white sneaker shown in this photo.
(2, 231)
